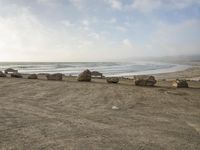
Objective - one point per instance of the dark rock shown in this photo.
(16, 75)
(180, 84)
(32, 76)
(112, 79)
(10, 70)
(85, 76)
(56, 77)
(97, 74)
(43, 74)
(2, 74)
(145, 80)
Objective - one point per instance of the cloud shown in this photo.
(127, 43)
(50, 3)
(85, 22)
(146, 5)
(31, 31)
(113, 20)
(115, 4)
(151, 5)
(67, 23)
(178, 39)
(94, 35)
(121, 29)
(24, 37)
(180, 4)
(77, 3)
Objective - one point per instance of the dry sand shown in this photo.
(53, 115)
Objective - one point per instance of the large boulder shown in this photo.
(85, 76)
(16, 75)
(32, 76)
(10, 70)
(112, 79)
(180, 83)
(2, 74)
(144, 80)
(56, 77)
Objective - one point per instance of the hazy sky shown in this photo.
(97, 30)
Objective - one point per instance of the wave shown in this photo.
(107, 68)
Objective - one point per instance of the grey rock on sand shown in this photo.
(85, 76)
(145, 80)
(97, 74)
(56, 77)
(16, 75)
(180, 83)
(2, 74)
(112, 79)
(10, 70)
(32, 76)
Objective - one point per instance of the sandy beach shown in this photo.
(100, 75)
(41, 114)
(192, 73)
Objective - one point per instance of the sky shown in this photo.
(97, 30)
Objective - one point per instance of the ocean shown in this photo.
(107, 68)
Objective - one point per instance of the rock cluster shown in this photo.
(145, 80)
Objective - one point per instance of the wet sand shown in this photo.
(49, 115)
(192, 73)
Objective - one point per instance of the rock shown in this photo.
(56, 77)
(43, 74)
(112, 79)
(10, 70)
(2, 74)
(85, 76)
(145, 80)
(180, 84)
(32, 76)
(97, 74)
(115, 108)
(16, 75)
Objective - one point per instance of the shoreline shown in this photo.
(186, 71)
(191, 72)
(119, 69)
(173, 69)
